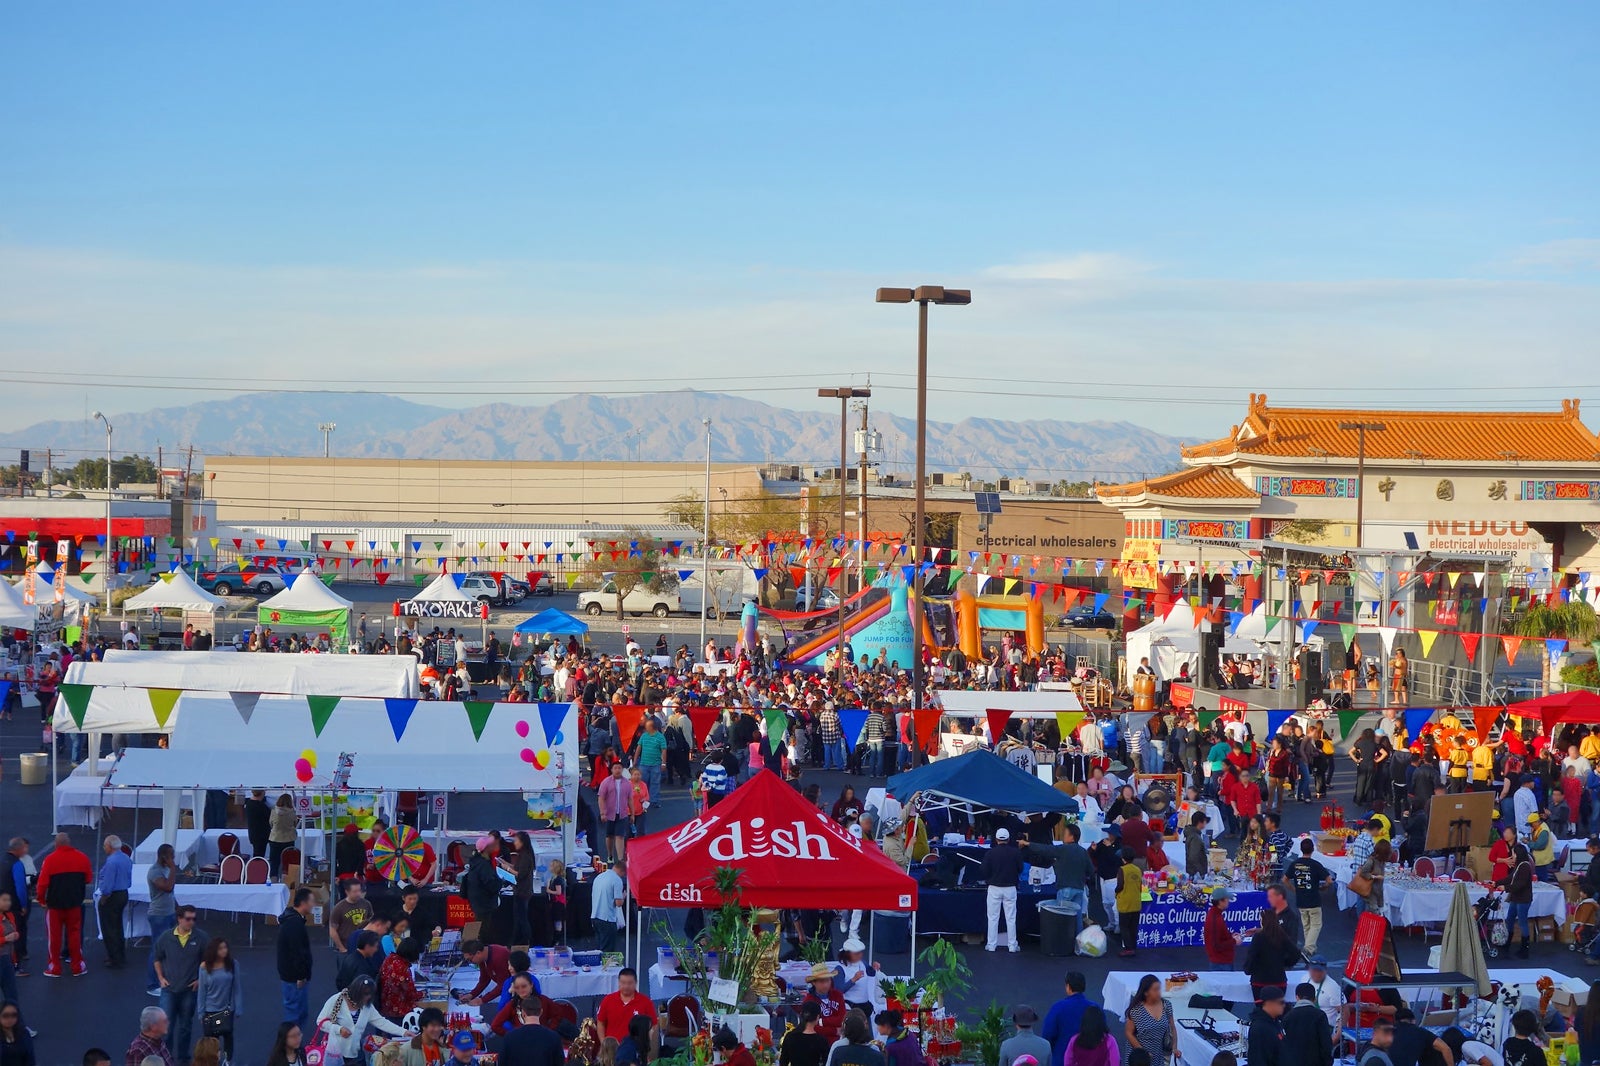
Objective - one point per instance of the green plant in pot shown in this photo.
(980, 1040)
(945, 973)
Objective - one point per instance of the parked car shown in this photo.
(639, 600)
(483, 588)
(822, 599)
(1086, 617)
(511, 590)
(235, 578)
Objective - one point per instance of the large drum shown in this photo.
(1144, 692)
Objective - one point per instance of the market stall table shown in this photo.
(269, 899)
(963, 911)
(1409, 902)
(576, 983)
(80, 797)
(666, 983)
(185, 845)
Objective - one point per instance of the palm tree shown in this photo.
(1574, 621)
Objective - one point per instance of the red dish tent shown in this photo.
(792, 855)
(1560, 708)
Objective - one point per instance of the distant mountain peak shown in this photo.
(659, 427)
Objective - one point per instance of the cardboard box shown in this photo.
(1568, 1002)
(319, 906)
(1478, 862)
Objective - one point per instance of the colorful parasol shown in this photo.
(397, 853)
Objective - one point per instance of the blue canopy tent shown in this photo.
(551, 620)
(980, 781)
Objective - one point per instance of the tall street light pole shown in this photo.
(327, 435)
(705, 544)
(922, 295)
(845, 394)
(107, 561)
(1361, 429)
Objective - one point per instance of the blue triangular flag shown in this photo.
(1275, 720)
(852, 720)
(1234, 618)
(761, 573)
(685, 575)
(551, 716)
(1308, 627)
(1100, 599)
(399, 714)
(1416, 718)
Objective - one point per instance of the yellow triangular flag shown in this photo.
(162, 701)
(1427, 637)
(1454, 577)
(1067, 721)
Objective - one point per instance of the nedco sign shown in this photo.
(754, 839)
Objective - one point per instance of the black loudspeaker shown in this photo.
(1309, 686)
(1338, 659)
(1210, 658)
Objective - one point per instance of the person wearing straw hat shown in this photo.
(831, 1006)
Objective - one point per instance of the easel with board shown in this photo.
(1460, 821)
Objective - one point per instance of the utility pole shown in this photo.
(1361, 429)
(862, 443)
(161, 463)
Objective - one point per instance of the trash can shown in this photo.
(35, 767)
(891, 932)
(1058, 928)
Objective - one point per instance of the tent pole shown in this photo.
(54, 781)
(913, 972)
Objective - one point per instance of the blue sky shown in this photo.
(1167, 202)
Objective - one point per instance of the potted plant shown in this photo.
(735, 949)
(980, 1041)
(946, 972)
(899, 994)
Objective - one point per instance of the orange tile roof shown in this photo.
(1199, 483)
(1468, 436)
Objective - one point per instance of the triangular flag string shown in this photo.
(478, 712)
(162, 700)
(321, 710)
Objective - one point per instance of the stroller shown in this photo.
(1493, 931)
(1585, 925)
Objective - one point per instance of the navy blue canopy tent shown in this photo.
(551, 620)
(980, 781)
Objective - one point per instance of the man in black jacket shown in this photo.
(1307, 1036)
(294, 958)
(1266, 1030)
(1002, 869)
(481, 885)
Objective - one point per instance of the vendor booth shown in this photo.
(1174, 641)
(442, 598)
(792, 856)
(174, 592)
(308, 602)
(343, 761)
(15, 614)
(146, 692)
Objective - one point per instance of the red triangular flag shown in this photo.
(1483, 719)
(927, 725)
(1469, 641)
(627, 718)
(1511, 645)
(997, 724)
(701, 721)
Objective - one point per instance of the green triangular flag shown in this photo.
(777, 724)
(162, 700)
(478, 712)
(77, 700)
(1347, 632)
(1206, 718)
(321, 710)
(88, 579)
(305, 544)
(1348, 720)
(327, 579)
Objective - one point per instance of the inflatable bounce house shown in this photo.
(973, 616)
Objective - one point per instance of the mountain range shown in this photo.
(659, 427)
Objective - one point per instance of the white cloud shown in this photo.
(1568, 255)
(1082, 266)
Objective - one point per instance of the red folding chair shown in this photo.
(231, 870)
(1424, 867)
(256, 871)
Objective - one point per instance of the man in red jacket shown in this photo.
(64, 879)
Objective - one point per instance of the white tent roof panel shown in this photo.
(1022, 704)
(176, 591)
(443, 589)
(307, 592)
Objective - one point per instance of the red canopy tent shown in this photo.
(1560, 708)
(792, 854)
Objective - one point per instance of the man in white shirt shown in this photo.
(606, 905)
(1235, 728)
(1329, 996)
(1573, 759)
(1524, 803)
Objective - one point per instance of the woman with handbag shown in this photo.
(1150, 1024)
(1367, 881)
(217, 998)
(343, 1022)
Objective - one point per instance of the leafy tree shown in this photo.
(649, 569)
(130, 469)
(1575, 622)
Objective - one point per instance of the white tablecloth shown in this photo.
(270, 899)
(1093, 831)
(184, 844)
(1232, 985)
(1409, 906)
(557, 984)
(78, 799)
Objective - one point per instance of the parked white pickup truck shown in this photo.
(640, 600)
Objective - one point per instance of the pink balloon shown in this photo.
(522, 729)
(527, 754)
(302, 766)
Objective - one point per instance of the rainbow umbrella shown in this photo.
(397, 853)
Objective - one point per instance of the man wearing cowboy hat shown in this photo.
(1026, 1041)
(830, 1002)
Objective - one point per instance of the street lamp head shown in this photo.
(896, 296)
(933, 294)
(98, 416)
(846, 393)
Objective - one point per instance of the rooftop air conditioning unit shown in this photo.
(1005, 484)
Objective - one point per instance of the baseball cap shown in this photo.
(1002, 833)
(464, 1040)
(1533, 819)
(1272, 994)
(1318, 962)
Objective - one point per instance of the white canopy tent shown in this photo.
(76, 602)
(120, 701)
(443, 589)
(175, 591)
(14, 614)
(1171, 642)
(307, 593)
